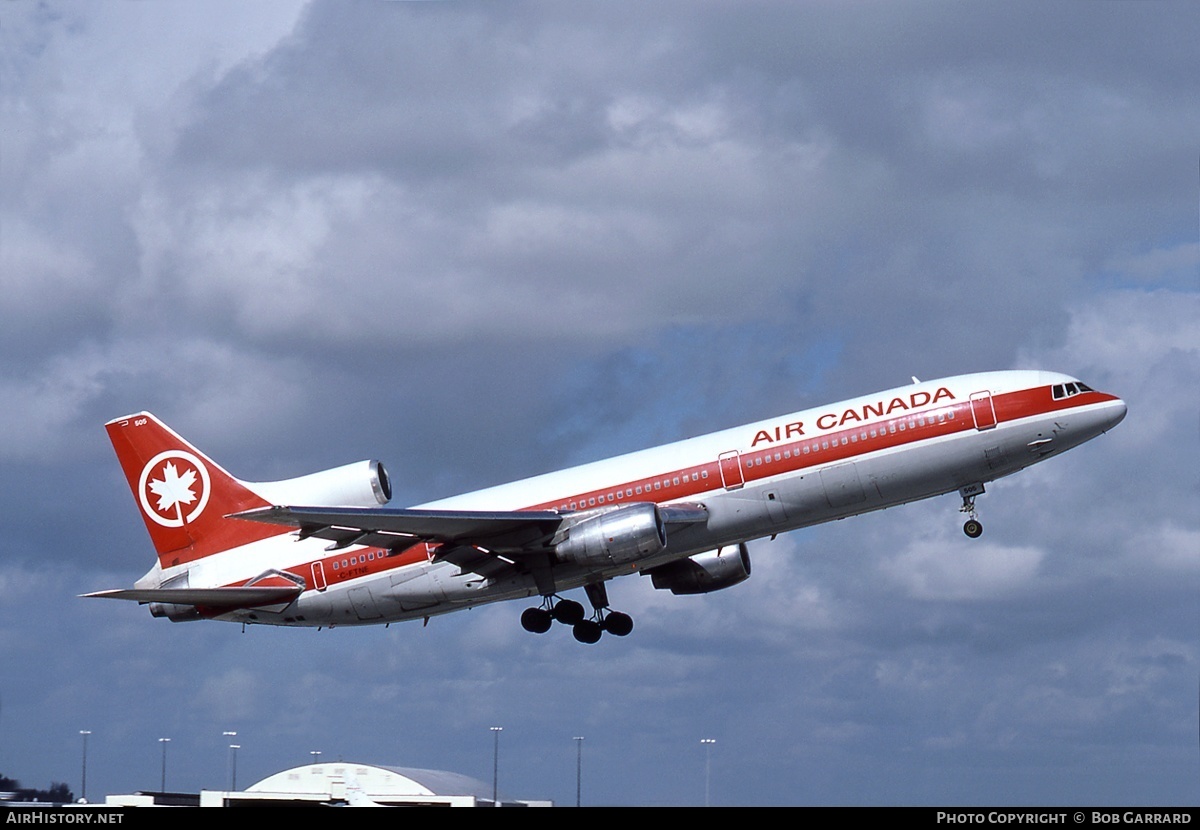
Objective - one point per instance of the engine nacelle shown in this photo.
(624, 535)
(704, 572)
(174, 612)
(362, 484)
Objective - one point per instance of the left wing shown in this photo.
(482, 541)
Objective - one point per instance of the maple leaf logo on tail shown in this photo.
(174, 490)
(179, 484)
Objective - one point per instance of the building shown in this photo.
(347, 784)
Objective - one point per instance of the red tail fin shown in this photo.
(182, 494)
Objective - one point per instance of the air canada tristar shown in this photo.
(322, 550)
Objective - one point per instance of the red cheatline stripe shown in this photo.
(832, 446)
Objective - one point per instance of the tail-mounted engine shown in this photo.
(175, 612)
(625, 535)
(362, 484)
(704, 572)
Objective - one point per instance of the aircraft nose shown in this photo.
(1116, 413)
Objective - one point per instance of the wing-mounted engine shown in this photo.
(704, 572)
(362, 484)
(625, 535)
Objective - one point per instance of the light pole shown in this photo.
(163, 784)
(83, 786)
(578, 768)
(233, 748)
(232, 761)
(708, 745)
(496, 730)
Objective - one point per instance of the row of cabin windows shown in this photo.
(630, 492)
(356, 560)
(940, 417)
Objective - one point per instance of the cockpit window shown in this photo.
(1067, 390)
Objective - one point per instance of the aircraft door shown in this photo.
(983, 410)
(731, 470)
(318, 576)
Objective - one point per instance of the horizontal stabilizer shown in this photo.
(251, 597)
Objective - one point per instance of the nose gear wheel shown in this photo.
(972, 527)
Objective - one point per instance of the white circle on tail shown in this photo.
(174, 488)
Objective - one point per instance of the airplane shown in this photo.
(322, 550)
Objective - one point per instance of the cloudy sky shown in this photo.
(480, 241)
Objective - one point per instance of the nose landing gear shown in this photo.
(972, 527)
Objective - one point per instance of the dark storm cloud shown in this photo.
(844, 163)
(480, 241)
(420, 95)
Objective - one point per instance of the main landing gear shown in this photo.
(972, 527)
(569, 612)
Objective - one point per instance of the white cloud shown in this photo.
(933, 568)
(1167, 547)
(1161, 265)
(216, 385)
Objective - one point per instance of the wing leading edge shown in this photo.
(500, 532)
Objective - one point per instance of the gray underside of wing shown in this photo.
(488, 543)
(250, 597)
(513, 532)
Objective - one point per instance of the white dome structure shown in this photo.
(356, 784)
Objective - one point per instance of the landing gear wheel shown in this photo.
(536, 620)
(568, 612)
(587, 631)
(972, 527)
(618, 624)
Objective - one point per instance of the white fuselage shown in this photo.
(756, 480)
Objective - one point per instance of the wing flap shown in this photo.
(497, 531)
